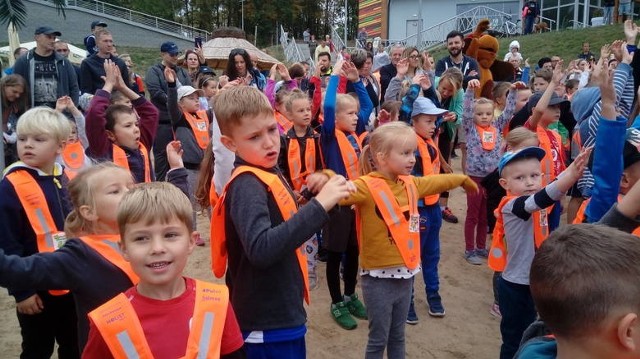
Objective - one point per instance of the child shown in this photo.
(165, 314)
(484, 149)
(388, 246)
(116, 132)
(344, 121)
(33, 205)
(521, 222)
(89, 264)
(278, 99)
(389, 112)
(73, 156)
(209, 87)
(499, 93)
(257, 224)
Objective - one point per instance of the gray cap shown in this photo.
(423, 105)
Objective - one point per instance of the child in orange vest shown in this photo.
(33, 205)
(484, 149)
(89, 264)
(278, 97)
(73, 156)
(258, 226)
(165, 314)
(521, 226)
(388, 220)
(122, 133)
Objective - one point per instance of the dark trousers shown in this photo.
(528, 24)
(56, 323)
(291, 349)
(164, 135)
(350, 273)
(518, 312)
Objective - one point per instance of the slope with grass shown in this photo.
(565, 43)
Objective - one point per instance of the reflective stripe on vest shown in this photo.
(119, 326)
(73, 157)
(283, 122)
(120, 159)
(349, 154)
(287, 205)
(430, 166)
(488, 137)
(298, 177)
(107, 246)
(200, 127)
(498, 253)
(406, 240)
(34, 202)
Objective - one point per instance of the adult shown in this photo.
(194, 61)
(49, 75)
(324, 65)
(306, 35)
(13, 103)
(322, 47)
(158, 90)
(625, 11)
(363, 62)
(607, 11)
(389, 71)
(362, 38)
(92, 68)
(240, 67)
(381, 58)
(62, 48)
(514, 51)
(467, 65)
(16, 54)
(530, 14)
(369, 47)
(586, 53)
(407, 68)
(90, 40)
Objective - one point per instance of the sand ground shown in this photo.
(467, 331)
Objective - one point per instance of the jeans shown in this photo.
(291, 349)
(528, 24)
(608, 15)
(518, 312)
(430, 223)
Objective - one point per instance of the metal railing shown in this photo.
(292, 52)
(118, 12)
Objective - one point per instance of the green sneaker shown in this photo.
(341, 315)
(355, 306)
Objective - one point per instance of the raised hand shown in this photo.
(402, 67)
(284, 72)
(169, 75)
(350, 72)
(473, 84)
(630, 31)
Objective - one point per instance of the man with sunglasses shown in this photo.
(158, 90)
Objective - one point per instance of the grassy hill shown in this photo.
(565, 43)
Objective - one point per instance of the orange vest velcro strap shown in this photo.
(107, 246)
(120, 159)
(119, 326)
(349, 154)
(488, 137)
(430, 166)
(209, 316)
(498, 253)
(73, 157)
(405, 233)
(298, 177)
(34, 202)
(287, 206)
(200, 126)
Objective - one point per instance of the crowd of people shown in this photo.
(347, 161)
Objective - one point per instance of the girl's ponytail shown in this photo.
(366, 161)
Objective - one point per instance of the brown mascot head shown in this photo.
(488, 48)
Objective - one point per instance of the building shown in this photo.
(398, 19)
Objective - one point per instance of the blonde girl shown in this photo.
(389, 262)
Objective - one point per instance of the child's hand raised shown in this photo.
(350, 72)
(272, 72)
(337, 68)
(518, 85)
(578, 165)
(174, 154)
(111, 76)
(62, 103)
(383, 117)
(169, 75)
(284, 72)
(473, 84)
(335, 190)
(558, 73)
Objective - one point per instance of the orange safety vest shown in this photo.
(498, 252)
(488, 137)
(349, 154)
(73, 157)
(107, 246)
(119, 326)
(200, 126)
(287, 205)
(48, 236)
(582, 218)
(283, 121)
(547, 163)
(213, 196)
(405, 232)
(430, 166)
(298, 177)
(120, 159)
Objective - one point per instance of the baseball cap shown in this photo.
(169, 47)
(207, 70)
(554, 100)
(47, 31)
(188, 90)
(98, 23)
(631, 151)
(423, 105)
(535, 152)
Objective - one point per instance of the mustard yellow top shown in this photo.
(377, 248)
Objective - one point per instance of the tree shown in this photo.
(15, 11)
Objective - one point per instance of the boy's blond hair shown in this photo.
(237, 103)
(44, 120)
(152, 202)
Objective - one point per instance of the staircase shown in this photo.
(294, 51)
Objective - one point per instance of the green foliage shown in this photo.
(15, 11)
